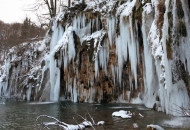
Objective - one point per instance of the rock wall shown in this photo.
(20, 75)
(118, 51)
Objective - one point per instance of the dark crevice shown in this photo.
(140, 37)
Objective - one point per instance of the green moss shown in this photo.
(180, 12)
(182, 29)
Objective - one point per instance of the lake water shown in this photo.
(22, 116)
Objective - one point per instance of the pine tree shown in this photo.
(25, 29)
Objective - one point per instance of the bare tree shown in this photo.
(45, 10)
(52, 5)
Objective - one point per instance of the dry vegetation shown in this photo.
(16, 33)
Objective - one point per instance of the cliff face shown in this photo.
(20, 76)
(115, 51)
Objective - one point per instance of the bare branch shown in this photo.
(91, 118)
(77, 123)
(81, 116)
(183, 111)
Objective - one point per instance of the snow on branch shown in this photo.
(66, 126)
(182, 110)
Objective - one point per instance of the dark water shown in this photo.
(22, 116)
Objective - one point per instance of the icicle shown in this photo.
(103, 58)
(71, 48)
(97, 24)
(54, 70)
(54, 79)
(83, 20)
(149, 75)
(96, 67)
(120, 58)
(28, 92)
(113, 72)
(111, 29)
(75, 95)
(184, 55)
(57, 34)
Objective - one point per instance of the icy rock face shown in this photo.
(2, 56)
(21, 73)
(119, 51)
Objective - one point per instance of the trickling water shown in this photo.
(22, 115)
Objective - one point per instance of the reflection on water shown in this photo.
(22, 116)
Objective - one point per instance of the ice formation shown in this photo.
(110, 51)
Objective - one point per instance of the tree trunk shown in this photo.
(69, 2)
(55, 8)
(49, 8)
(52, 8)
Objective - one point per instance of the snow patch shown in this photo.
(122, 114)
(154, 126)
